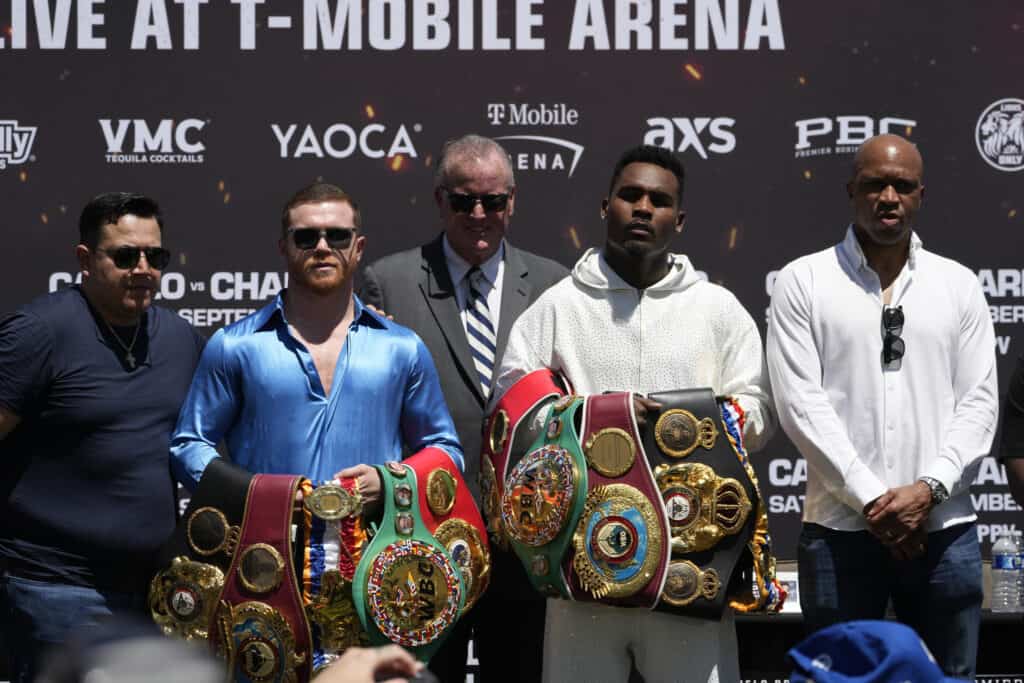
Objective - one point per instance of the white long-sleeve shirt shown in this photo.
(863, 429)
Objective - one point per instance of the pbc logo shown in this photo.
(843, 134)
(1000, 134)
(702, 134)
(168, 142)
(341, 141)
(15, 143)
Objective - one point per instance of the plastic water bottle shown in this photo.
(1006, 571)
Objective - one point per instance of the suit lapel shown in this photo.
(515, 297)
(439, 293)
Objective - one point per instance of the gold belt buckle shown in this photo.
(686, 582)
(702, 508)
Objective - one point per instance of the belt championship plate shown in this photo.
(280, 588)
(666, 517)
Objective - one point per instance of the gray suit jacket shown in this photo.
(414, 286)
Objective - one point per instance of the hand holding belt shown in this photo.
(407, 588)
(507, 430)
(621, 541)
(450, 514)
(543, 498)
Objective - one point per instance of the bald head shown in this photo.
(888, 149)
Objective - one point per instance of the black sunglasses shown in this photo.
(127, 258)
(465, 203)
(893, 346)
(308, 238)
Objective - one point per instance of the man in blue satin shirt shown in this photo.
(314, 383)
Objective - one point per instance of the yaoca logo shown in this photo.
(168, 141)
(827, 135)
(15, 143)
(1000, 134)
(340, 141)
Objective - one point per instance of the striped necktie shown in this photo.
(480, 329)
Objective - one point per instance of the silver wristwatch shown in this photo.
(939, 493)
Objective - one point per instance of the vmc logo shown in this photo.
(340, 141)
(531, 152)
(1000, 134)
(702, 134)
(827, 135)
(15, 143)
(168, 141)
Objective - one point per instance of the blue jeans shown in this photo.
(849, 575)
(36, 615)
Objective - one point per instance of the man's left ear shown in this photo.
(680, 220)
(511, 208)
(82, 253)
(604, 209)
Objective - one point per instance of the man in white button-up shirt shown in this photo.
(882, 360)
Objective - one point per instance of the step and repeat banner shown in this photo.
(221, 109)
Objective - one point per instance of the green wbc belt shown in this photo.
(407, 588)
(543, 497)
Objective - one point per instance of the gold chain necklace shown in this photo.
(129, 357)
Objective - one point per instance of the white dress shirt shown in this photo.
(493, 269)
(863, 429)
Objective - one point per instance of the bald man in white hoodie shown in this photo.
(635, 317)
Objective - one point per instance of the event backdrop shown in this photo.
(221, 109)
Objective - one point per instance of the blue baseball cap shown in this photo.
(865, 652)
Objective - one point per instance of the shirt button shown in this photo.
(888, 463)
(889, 427)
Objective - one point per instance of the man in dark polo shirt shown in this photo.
(91, 381)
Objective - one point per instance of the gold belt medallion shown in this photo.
(499, 432)
(686, 582)
(611, 452)
(491, 503)
(441, 490)
(331, 502)
(258, 643)
(209, 533)
(469, 554)
(617, 542)
(183, 598)
(702, 507)
(678, 432)
(260, 568)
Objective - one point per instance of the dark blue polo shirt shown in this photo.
(86, 494)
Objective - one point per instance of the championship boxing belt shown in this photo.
(184, 597)
(511, 427)
(261, 626)
(621, 542)
(708, 498)
(407, 589)
(543, 497)
(452, 517)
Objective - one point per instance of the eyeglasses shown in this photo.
(465, 203)
(308, 238)
(893, 346)
(127, 258)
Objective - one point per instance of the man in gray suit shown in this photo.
(461, 293)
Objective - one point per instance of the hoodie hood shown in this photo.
(592, 270)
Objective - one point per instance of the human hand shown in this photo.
(907, 509)
(641, 406)
(364, 665)
(912, 546)
(367, 483)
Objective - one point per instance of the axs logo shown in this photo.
(702, 134)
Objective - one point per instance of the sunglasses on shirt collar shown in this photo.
(127, 258)
(308, 238)
(465, 203)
